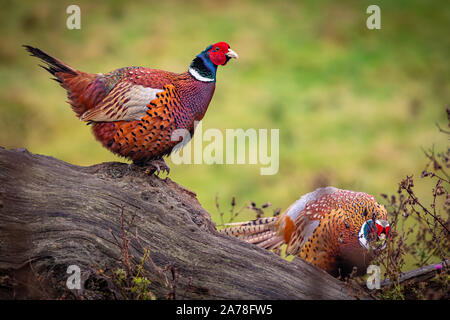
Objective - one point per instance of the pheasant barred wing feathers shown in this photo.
(305, 227)
(305, 215)
(298, 206)
(125, 102)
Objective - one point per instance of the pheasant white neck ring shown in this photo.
(372, 232)
(199, 77)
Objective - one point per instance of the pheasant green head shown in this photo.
(375, 231)
(204, 66)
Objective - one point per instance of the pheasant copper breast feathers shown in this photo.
(331, 228)
(134, 110)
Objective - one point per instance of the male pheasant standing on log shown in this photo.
(135, 110)
(333, 229)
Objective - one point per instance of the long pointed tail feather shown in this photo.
(53, 65)
(262, 232)
(82, 89)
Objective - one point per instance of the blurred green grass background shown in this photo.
(354, 106)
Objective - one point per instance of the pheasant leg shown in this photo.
(156, 165)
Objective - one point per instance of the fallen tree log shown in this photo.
(102, 219)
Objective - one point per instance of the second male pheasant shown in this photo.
(135, 111)
(331, 228)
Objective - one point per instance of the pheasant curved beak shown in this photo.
(232, 54)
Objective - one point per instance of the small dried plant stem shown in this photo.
(144, 258)
(416, 201)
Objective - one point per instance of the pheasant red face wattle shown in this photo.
(221, 53)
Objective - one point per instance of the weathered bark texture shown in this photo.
(54, 214)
